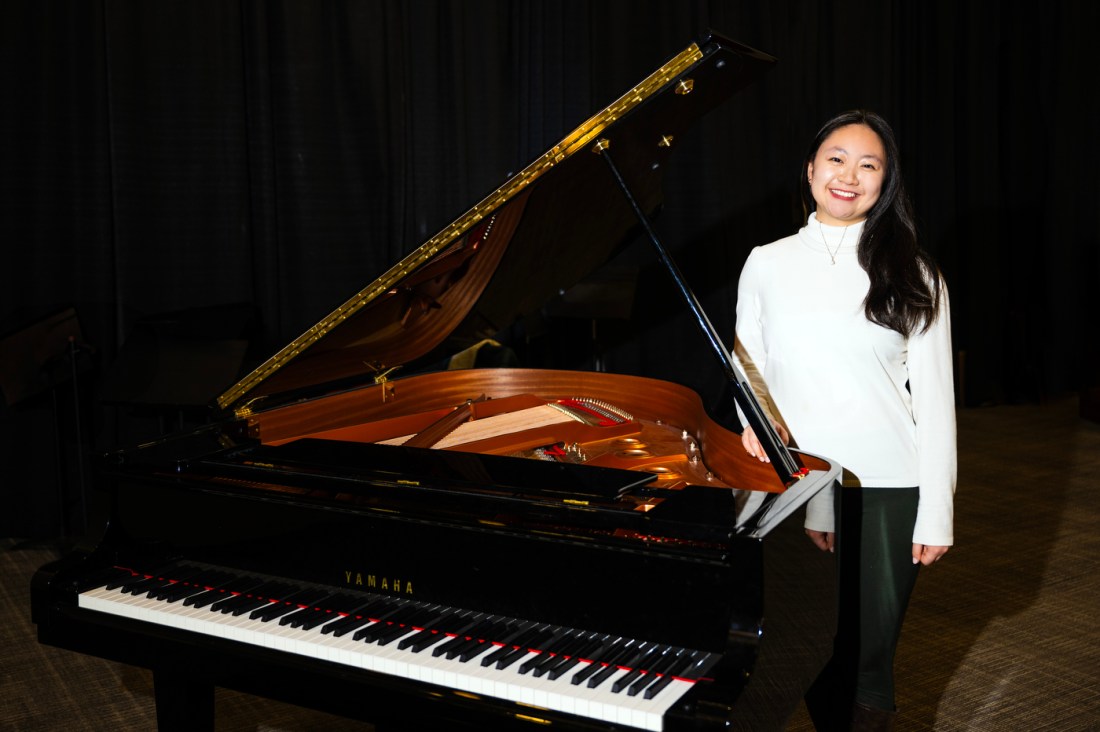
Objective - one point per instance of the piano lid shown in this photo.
(546, 228)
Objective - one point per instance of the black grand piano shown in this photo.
(380, 526)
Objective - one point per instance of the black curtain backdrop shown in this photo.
(272, 158)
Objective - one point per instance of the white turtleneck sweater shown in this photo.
(838, 381)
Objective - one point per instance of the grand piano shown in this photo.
(380, 525)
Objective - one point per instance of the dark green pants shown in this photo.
(876, 576)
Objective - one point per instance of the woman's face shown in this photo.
(846, 175)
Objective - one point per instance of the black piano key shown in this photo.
(612, 666)
(141, 586)
(552, 638)
(369, 633)
(258, 598)
(563, 648)
(532, 643)
(695, 671)
(342, 626)
(306, 608)
(370, 606)
(107, 577)
(357, 617)
(476, 641)
(184, 582)
(141, 582)
(125, 576)
(484, 626)
(432, 632)
(172, 579)
(202, 599)
(606, 651)
(415, 618)
(318, 612)
(592, 645)
(407, 622)
(448, 645)
(322, 616)
(202, 583)
(636, 667)
(681, 665)
(247, 605)
(625, 680)
(424, 639)
(412, 642)
(534, 662)
(498, 652)
(482, 642)
(321, 610)
(177, 592)
(395, 631)
(477, 625)
(468, 648)
(653, 671)
(218, 592)
(236, 596)
(301, 616)
(510, 657)
(114, 583)
(342, 602)
(519, 636)
(247, 600)
(287, 605)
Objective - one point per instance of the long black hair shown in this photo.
(905, 282)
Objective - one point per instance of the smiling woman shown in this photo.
(855, 363)
(846, 175)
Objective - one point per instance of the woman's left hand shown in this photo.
(925, 554)
(752, 443)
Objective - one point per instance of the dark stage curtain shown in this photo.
(232, 171)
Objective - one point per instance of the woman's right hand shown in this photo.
(752, 443)
(823, 540)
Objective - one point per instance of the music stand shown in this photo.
(41, 357)
(607, 294)
(175, 364)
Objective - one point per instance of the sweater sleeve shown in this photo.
(750, 352)
(748, 341)
(748, 345)
(931, 382)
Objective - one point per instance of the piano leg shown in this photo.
(183, 704)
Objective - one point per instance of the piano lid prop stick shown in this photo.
(776, 451)
(442, 427)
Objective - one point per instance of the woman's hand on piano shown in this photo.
(752, 444)
(823, 540)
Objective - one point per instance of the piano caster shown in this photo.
(183, 704)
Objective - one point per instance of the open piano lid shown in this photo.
(541, 232)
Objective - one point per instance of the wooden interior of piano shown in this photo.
(599, 419)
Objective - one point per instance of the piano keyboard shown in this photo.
(597, 676)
